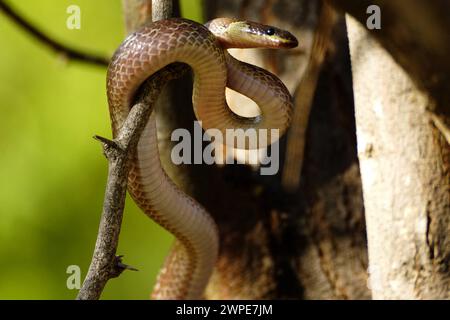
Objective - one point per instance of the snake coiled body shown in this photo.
(191, 261)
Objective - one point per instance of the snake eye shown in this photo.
(270, 31)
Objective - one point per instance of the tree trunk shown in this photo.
(415, 33)
(405, 173)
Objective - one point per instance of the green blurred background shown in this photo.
(52, 173)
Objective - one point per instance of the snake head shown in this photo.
(248, 34)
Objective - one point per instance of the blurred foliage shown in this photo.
(52, 173)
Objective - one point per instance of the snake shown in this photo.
(190, 263)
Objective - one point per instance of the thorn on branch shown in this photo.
(120, 267)
(111, 148)
(108, 143)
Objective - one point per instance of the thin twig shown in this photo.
(68, 52)
(105, 265)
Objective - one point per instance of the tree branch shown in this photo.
(304, 98)
(162, 9)
(136, 13)
(105, 265)
(68, 52)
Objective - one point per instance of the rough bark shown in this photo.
(405, 163)
(310, 243)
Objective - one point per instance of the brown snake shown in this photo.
(190, 263)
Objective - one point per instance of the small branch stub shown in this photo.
(120, 267)
(111, 149)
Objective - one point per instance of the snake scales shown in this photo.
(189, 265)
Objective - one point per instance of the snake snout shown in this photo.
(288, 41)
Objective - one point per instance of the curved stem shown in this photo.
(70, 53)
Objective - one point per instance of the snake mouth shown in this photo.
(288, 41)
